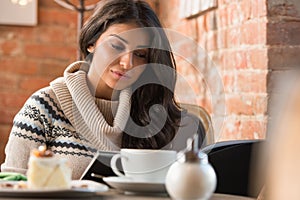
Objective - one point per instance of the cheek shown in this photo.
(103, 57)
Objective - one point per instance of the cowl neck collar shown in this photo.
(79, 106)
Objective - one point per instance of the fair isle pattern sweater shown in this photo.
(69, 120)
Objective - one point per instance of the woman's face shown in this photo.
(120, 55)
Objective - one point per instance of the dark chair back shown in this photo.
(235, 164)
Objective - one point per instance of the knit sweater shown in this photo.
(69, 120)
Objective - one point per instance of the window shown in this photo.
(191, 8)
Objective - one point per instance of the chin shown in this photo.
(121, 85)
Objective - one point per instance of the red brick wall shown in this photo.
(234, 36)
(252, 43)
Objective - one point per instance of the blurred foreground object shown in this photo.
(284, 174)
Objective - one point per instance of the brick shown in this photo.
(53, 5)
(257, 58)
(200, 23)
(259, 8)
(206, 103)
(211, 20)
(234, 36)
(241, 60)
(12, 99)
(233, 14)
(50, 51)
(2, 155)
(54, 35)
(283, 33)
(254, 33)
(185, 48)
(173, 12)
(228, 60)
(186, 28)
(215, 86)
(7, 115)
(231, 127)
(8, 33)
(211, 41)
(19, 34)
(34, 83)
(202, 41)
(222, 39)
(283, 8)
(246, 104)
(71, 37)
(64, 17)
(246, 8)
(9, 47)
(254, 82)
(51, 69)
(198, 86)
(243, 128)
(253, 129)
(190, 76)
(8, 82)
(27, 34)
(222, 18)
(229, 82)
(4, 133)
(284, 57)
(18, 66)
(49, 5)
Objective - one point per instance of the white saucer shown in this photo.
(80, 189)
(128, 185)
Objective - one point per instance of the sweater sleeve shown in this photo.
(27, 133)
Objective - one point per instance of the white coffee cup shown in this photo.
(144, 165)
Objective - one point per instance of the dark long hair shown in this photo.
(145, 96)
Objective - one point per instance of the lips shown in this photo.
(119, 74)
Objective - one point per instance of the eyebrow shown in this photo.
(139, 46)
(115, 35)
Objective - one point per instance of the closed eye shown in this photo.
(141, 54)
(117, 47)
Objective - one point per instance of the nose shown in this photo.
(126, 61)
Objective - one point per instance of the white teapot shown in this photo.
(191, 177)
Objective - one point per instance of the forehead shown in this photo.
(131, 33)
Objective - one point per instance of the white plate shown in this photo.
(80, 188)
(129, 185)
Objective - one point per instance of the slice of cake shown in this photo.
(47, 171)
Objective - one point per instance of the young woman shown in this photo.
(120, 97)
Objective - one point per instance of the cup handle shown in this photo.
(113, 164)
